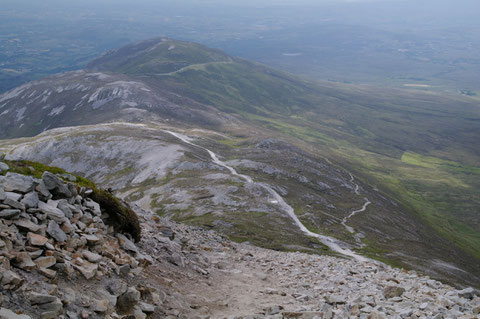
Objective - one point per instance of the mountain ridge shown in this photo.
(411, 146)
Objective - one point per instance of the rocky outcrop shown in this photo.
(51, 233)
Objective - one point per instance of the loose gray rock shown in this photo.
(14, 182)
(128, 300)
(38, 299)
(126, 243)
(45, 262)
(91, 257)
(68, 177)
(8, 314)
(393, 291)
(54, 184)
(66, 208)
(26, 224)
(56, 232)
(467, 293)
(43, 191)
(52, 309)
(3, 167)
(10, 280)
(14, 204)
(14, 196)
(87, 269)
(36, 240)
(30, 200)
(52, 212)
(9, 213)
(335, 299)
(147, 308)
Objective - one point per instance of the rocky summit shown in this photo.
(63, 256)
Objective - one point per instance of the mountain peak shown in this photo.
(156, 56)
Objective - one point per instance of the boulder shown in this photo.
(56, 232)
(14, 182)
(3, 196)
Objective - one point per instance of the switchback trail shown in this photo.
(332, 243)
(353, 213)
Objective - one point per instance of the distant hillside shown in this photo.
(417, 149)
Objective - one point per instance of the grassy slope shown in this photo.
(420, 148)
(399, 143)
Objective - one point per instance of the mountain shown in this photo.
(393, 174)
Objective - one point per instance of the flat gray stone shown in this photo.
(126, 243)
(27, 224)
(14, 182)
(8, 314)
(14, 196)
(14, 204)
(38, 299)
(30, 200)
(56, 232)
(9, 213)
(52, 212)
